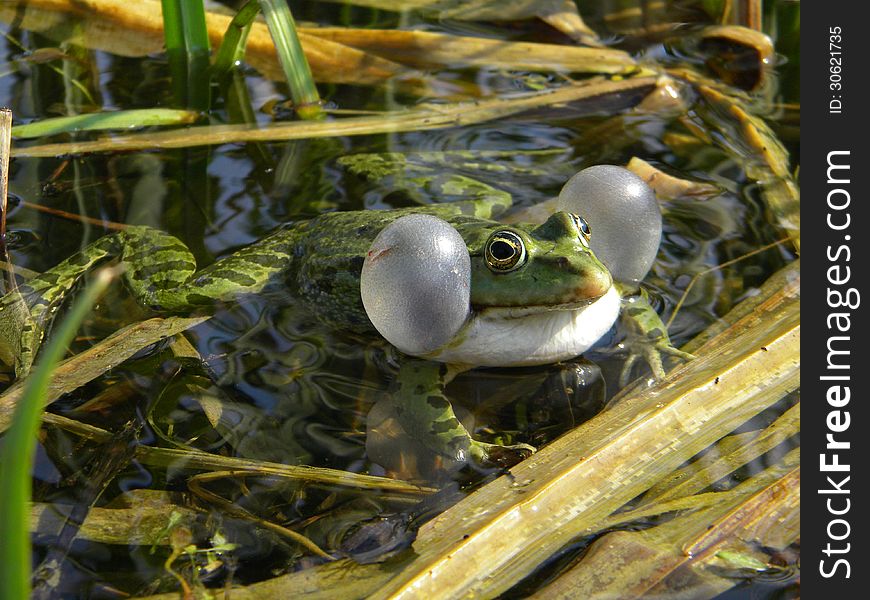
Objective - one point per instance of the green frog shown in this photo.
(538, 294)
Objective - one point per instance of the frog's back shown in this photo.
(329, 256)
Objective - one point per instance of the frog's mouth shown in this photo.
(590, 286)
(531, 335)
(519, 312)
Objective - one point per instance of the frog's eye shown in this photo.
(583, 228)
(504, 252)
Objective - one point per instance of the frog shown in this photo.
(538, 294)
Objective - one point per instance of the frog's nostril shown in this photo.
(596, 282)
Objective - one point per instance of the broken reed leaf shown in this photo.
(723, 447)
(635, 515)
(121, 119)
(78, 370)
(669, 187)
(513, 525)
(343, 578)
(771, 499)
(423, 117)
(197, 460)
(737, 55)
(144, 526)
(569, 22)
(427, 48)
(717, 463)
(751, 142)
(661, 561)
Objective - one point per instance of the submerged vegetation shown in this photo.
(181, 456)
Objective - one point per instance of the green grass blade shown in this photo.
(232, 47)
(296, 70)
(16, 461)
(175, 49)
(121, 119)
(187, 47)
(195, 31)
(198, 55)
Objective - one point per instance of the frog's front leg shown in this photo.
(418, 415)
(646, 335)
(27, 311)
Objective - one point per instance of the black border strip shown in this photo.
(834, 171)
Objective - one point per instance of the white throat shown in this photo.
(533, 339)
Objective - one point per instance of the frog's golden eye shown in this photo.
(583, 228)
(504, 252)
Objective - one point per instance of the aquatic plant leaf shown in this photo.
(188, 51)
(121, 119)
(434, 116)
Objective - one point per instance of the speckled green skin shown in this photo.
(320, 261)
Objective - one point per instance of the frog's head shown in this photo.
(519, 270)
(538, 295)
(476, 292)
